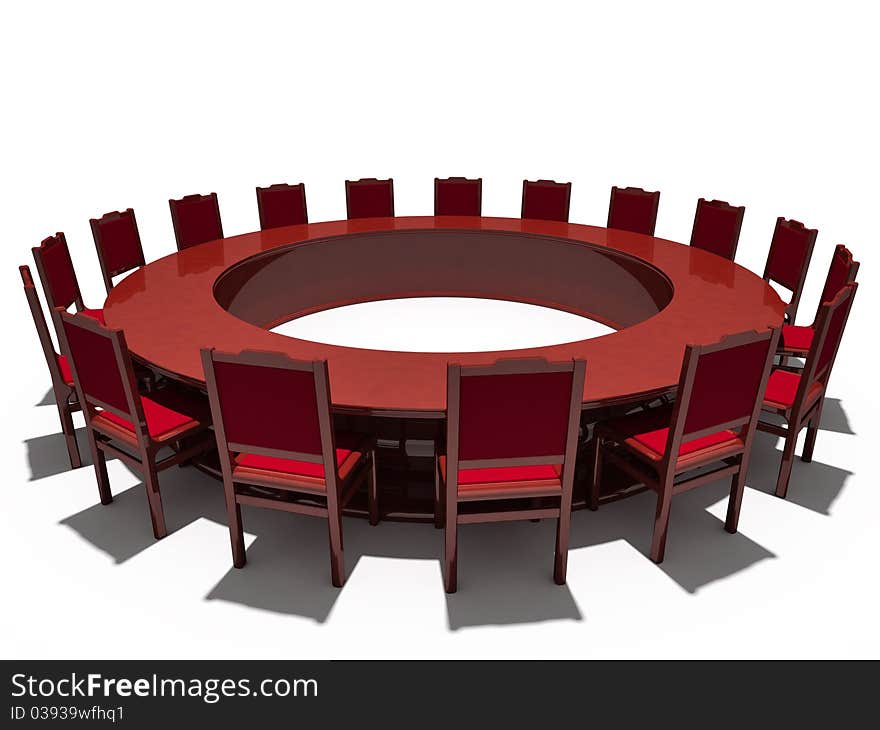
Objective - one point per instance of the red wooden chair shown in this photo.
(122, 422)
(118, 244)
(369, 198)
(196, 219)
(716, 227)
(633, 209)
(276, 441)
(458, 196)
(60, 285)
(796, 339)
(282, 205)
(712, 422)
(546, 200)
(789, 259)
(798, 397)
(511, 442)
(59, 370)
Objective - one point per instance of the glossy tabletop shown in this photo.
(659, 294)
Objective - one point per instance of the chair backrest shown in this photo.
(30, 291)
(118, 243)
(717, 225)
(789, 258)
(369, 198)
(101, 367)
(513, 413)
(282, 205)
(546, 200)
(842, 271)
(458, 196)
(633, 209)
(828, 334)
(56, 272)
(196, 219)
(721, 386)
(268, 404)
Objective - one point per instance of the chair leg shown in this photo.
(450, 554)
(563, 530)
(337, 554)
(596, 468)
(438, 497)
(236, 536)
(661, 524)
(154, 496)
(787, 462)
(69, 431)
(812, 432)
(100, 462)
(737, 487)
(373, 491)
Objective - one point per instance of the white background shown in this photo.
(110, 105)
(443, 324)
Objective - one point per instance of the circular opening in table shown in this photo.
(592, 283)
(443, 324)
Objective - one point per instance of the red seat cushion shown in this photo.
(796, 338)
(290, 466)
(477, 480)
(782, 389)
(64, 366)
(175, 414)
(94, 314)
(656, 441)
(349, 452)
(646, 432)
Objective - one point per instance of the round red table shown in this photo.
(226, 293)
(658, 295)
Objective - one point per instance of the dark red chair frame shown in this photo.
(134, 259)
(65, 393)
(726, 249)
(353, 186)
(142, 451)
(448, 498)
(795, 283)
(653, 198)
(176, 206)
(832, 285)
(279, 493)
(660, 476)
(459, 187)
(539, 186)
(301, 212)
(805, 411)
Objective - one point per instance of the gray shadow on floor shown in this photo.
(698, 549)
(122, 529)
(288, 563)
(834, 417)
(47, 455)
(48, 399)
(505, 571)
(505, 576)
(288, 566)
(815, 486)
